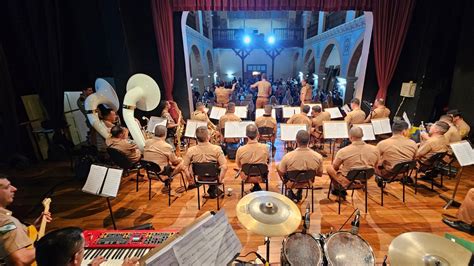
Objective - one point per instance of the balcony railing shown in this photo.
(312, 30)
(233, 38)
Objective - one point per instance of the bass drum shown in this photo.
(301, 249)
(344, 248)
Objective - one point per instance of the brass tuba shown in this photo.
(105, 94)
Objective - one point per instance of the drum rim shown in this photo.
(345, 232)
(321, 258)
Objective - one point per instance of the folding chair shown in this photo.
(400, 172)
(206, 174)
(302, 179)
(119, 158)
(254, 170)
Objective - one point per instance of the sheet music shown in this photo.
(405, 117)
(288, 131)
(155, 121)
(260, 112)
(112, 183)
(463, 152)
(381, 126)
(166, 258)
(335, 130)
(234, 129)
(289, 111)
(346, 108)
(217, 112)
(368, 131)
(334, 112)
(95, 179)
(241, 111)
(191, 126)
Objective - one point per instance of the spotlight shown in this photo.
(271, 40)
(247, 39)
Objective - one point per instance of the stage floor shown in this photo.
(71, 207)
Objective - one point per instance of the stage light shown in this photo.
(271, 40)
(247, 39)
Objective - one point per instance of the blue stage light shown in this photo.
(271, 40)
(247, 39)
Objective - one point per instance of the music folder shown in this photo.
(155, 121)
(405, 117)
(381, 126)
(217, 112)
(241, 111)
(334, 112)
(235, 129)
(335, 130)
(463, 152)
(288, 131)
(103, 181)
(289, 111)
(191, 126)
(368, 131)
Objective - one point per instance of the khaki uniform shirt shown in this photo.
(463, 128)
(357, 155)
(396, 149)
(222, 95)
(13, 235)
(301, 159)
(432, 146)
(452, 135)
(380, 112)
(320, 118)
(356, 116)
(160, 152)
(204, 153)
(264, 88)
(308, 91)
(130, 150)
(266, 121)
(252, 152)
(300, 119)
(198, 115)
(466, 211)
(228, 117)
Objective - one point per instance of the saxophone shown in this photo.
(179, 129)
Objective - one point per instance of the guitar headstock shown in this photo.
(46, 202)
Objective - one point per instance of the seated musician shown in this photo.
(464, 219)
(460, 124)
(452, 135)
(119, 140)
(302, 158)
(302, 117)
(317, 119)
(268, 121)
(252, 153)
(65, 247)
(171, 125)
(204, 152)
(357, 155)
(109, 118)
(432, 143)
(157, 150)
(223, 94)
(395, 149)
(380, 111)
(356, 116)
(15, 245)
(229, 116)
(201, 115)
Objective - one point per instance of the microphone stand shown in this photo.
(340, 228)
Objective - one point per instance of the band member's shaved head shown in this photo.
(231, 108)
(251, 131)
(317, 108)
(268, 109)
(202, 134)
(356, 133)
(160, 131)
(306, 109)
(302, 138)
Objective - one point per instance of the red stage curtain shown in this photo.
(391, 21)
(163, 24)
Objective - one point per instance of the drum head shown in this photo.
(302, 249)
(344, 248)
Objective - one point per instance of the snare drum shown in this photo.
(301, 249)
(344, 248)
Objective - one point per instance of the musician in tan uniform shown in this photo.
(452, 135)
(252, 153)
(302, 117)
(203, 152)
(268, 121)
(395, 149)
(317, 119)
(306, 93)
(380, 111)
(15, 245)
(229, 116)
(157, 150)
(464, 219)
(264, 91)
(434, 142)
(302, 158)
(357, 155)
(460, 124)
(171, 125)
(356, 116)
(81, 103)
(223, 94)
(119, 140)
(201, 115)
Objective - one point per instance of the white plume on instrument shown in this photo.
(105, 94)
(142, 93)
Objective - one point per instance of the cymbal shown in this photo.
(268, 214)
(418, 248)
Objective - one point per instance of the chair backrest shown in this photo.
(435, 158)
(210, 169)
(119, 158)
(151, 166)
(265, 131)
(403, 167)
(360, 173)
(255, 169)
(301, 176)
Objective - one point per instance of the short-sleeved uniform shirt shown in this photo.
(252, 152)
(301, 159)
(356, 116)
(264, 88)
(357, 155)
(266, 121)
(463, 128)
(130, 150)
(396, 149)
(300, 118)
(228, 117)
(13, 235)
(160, 152)
(380, 112)
(308, 91)
(222, 95)
(452, 135)
(320, 118)
(204, 152)
(430, 147)
(198, 115)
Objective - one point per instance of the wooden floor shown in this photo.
(71, 207)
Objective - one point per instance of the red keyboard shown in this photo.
(126, 238)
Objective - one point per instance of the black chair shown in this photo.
(400, 172)
(266, 134)
(302, 179)
(360, 174)
(434, 163)
(207, 174)
(117, 157)
(254, 170)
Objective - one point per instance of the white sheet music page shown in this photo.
(95, 179)
(405, 117)
(191, 126)
(463, 152)
(346, 108)
(260, 112)
(368, 131)
(335, 130)
(154, 121)
(289, 111)
(112, 183)
(217, 112)
(334, 112)
(288, 131)
(381, 126)
(234, 129)
(241, 111)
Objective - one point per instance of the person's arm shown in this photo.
(23, 256)
(303, 94)
(221, 160)
(282, 167)
(233, 87)
(336, 164)
(423, 150)
(320, 170)
(46, 215)
(237, 157)
(253, 86)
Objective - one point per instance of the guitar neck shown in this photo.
(43, 223)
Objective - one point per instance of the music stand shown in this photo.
(334, 130)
